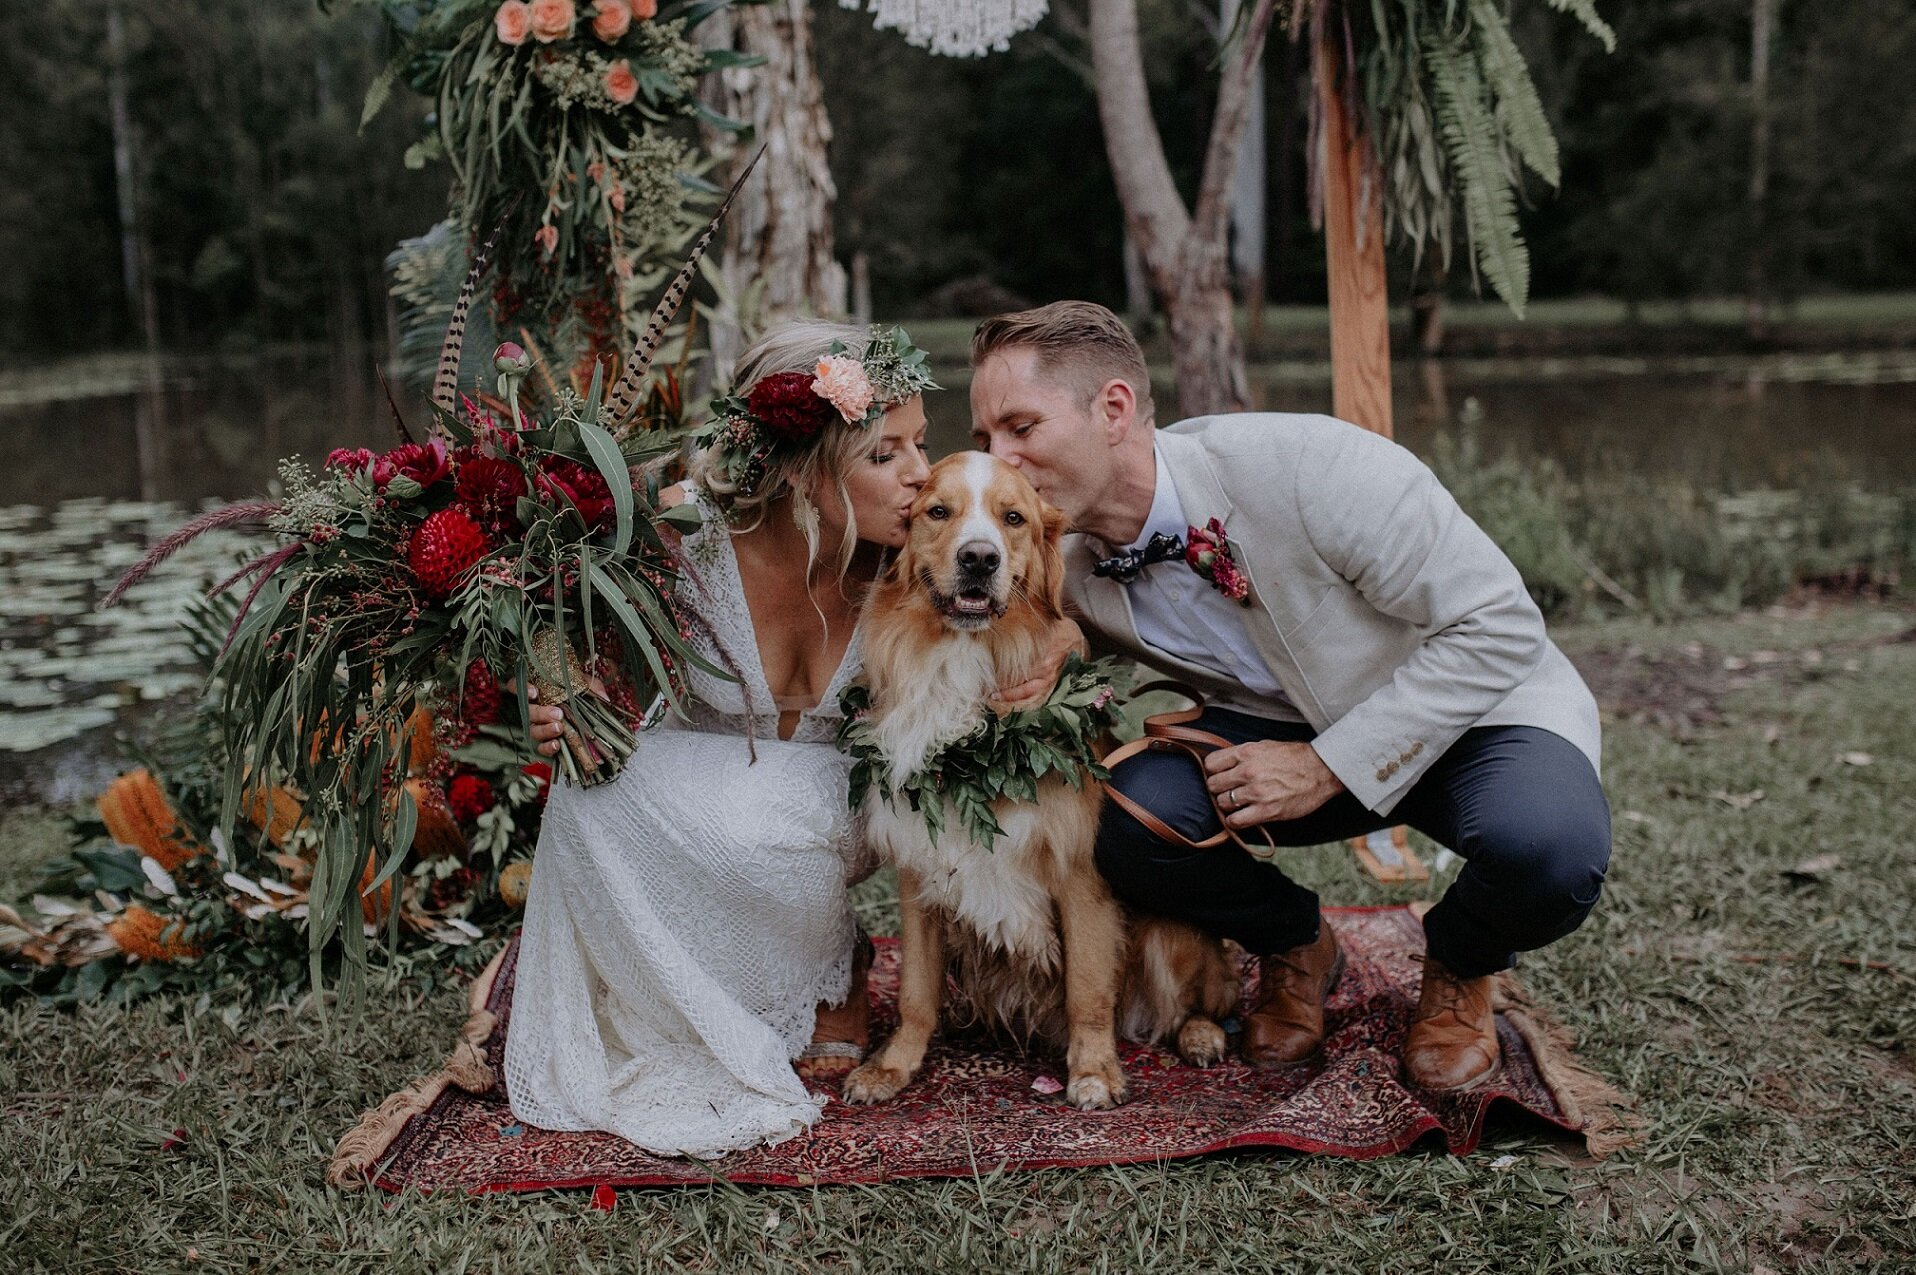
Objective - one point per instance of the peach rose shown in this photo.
(643, 9)
(611, 19)
(552, 20)
(547, 237)
(513, 21)
(620, 84)
(842, 382)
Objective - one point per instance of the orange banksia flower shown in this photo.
(515, 880)
(148, 936)
(136, 814)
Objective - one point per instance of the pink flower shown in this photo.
(615, 195)
(1102, 698)
(841, 381)
(611, 19)
(620, 84)
(552, 20)
(513, 21)
(547, 237)
(644, 9)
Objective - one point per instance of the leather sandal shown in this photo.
(841, 1033)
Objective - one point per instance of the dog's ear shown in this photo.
(1049, 582)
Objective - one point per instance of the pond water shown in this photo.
(94, 467)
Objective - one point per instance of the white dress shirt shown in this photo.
(1181, 613)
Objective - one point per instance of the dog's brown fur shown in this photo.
(932, 656)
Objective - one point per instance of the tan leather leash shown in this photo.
(1170, 733)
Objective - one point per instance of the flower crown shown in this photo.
(786, 412)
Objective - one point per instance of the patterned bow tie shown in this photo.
(1125, 567)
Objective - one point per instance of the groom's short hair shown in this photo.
(1081, 340)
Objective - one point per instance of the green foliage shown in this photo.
(1454, 117)
(1001, 760)
(1666, 547)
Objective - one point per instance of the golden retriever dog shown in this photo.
(1037, 947)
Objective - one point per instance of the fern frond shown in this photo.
(1585, 12)
(1470, 134)
(1519, 109)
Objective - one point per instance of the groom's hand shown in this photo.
(1065, 638)
(1267, 781)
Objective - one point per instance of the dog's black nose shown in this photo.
(978, 557)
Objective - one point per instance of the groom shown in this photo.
(1379, 661)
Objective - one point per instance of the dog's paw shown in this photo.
(873, 1083)
(1097, 1089)
(1201, 1042)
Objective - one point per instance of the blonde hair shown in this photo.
(1081, 340)
(795, 346)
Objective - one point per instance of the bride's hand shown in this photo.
(1065, 639)
(547, 721)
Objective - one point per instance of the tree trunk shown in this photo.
(1762, 22)
(149, 404)
(1185, 251)
(1248, 221)
(778, 260)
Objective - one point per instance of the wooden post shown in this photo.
(1354, 254)
(1360, 337)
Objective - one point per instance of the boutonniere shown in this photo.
(1209, 552)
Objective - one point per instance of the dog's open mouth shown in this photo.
(971, 604)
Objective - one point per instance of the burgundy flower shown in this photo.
(1207, 551)
(468, 797)
(787, 406)
(424, 463)
(560, 479)
(481, 699)
(444, 548)
(349, 460)
(489, 489)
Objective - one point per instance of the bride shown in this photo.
(687, 932)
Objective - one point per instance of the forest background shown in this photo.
(264, 213)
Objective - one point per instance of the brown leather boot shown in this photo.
(1452, 1042)
(1286, 1025)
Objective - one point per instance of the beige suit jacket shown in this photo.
(1390, 619)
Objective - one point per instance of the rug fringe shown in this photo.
(1605, 1115)
(365, 1144)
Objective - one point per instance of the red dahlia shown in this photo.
(489, 489)
(443, 548)
(585, 487)
(786, 406)
(468, 797)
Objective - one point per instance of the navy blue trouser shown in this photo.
(1522, 807)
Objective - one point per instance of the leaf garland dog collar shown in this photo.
(786, 412)
(1002, 760)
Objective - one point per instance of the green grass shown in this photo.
(1778, 1082)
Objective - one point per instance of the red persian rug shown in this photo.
(980, 1105)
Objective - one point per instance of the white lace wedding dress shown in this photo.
(686, 918)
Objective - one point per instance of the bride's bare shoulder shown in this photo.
(673, 496)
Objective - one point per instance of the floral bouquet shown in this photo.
(561, 122)
(500, 549)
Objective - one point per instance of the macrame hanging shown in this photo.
(955, 28)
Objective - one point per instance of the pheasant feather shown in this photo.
(445, 382)
(624, 397)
